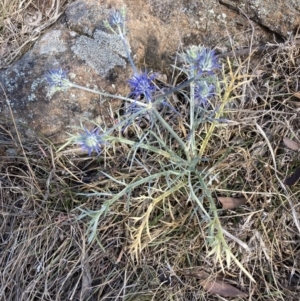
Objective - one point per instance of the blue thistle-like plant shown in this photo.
(58, 78)
(90, 140)
(200, 60)
(117, 17)
(142, 86)
(203, 91)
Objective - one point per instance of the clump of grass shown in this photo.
(22, 22)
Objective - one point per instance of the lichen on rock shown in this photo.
(52, 43)
(102, 53)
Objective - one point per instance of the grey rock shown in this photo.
(86, 16)
(281, 17)
(90, 62)
(110, 51)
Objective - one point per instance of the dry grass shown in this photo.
(21, 24)
(43, 249)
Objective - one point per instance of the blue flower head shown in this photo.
(200, 60)
(203, 91)
(58, 81)
(90, 140)
(58, 78)
(117, 17)
(142, 85)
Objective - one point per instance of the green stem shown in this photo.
(172, 132)
(108, 95)
(124, 41)
(144, 146)
(158, 100)
(192, 125)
